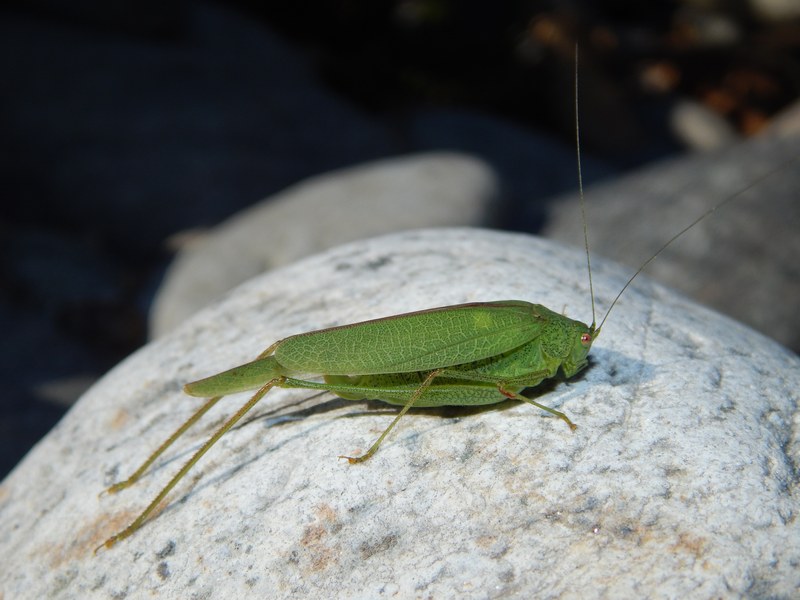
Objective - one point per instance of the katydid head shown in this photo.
(582, 337)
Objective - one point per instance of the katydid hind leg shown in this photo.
(222, 386)
(140, 520)
(134, 477)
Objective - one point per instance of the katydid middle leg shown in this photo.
(414, 397)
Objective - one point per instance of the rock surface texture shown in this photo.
(679, 481)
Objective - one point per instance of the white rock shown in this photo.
(786, 123)
(742, 260)
(775, 11)
(425, 190)
(677, 483)
(531, 166)
(700, 128)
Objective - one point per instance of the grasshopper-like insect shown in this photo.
(462, 355)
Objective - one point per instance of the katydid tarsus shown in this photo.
(461, 355)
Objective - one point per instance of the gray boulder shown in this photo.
(678, 481)
(742, 260)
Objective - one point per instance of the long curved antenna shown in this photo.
(745, 189)
(580, 189)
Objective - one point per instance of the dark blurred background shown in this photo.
(126, 123)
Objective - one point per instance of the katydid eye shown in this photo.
(586, 339)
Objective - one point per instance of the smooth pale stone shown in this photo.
(677, 483)
(432, 189)
(741, 261)
(700, 128)
(786, 123)
(775, 11)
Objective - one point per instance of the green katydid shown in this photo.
(461, 355)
